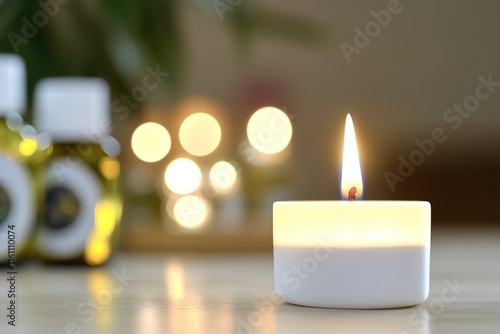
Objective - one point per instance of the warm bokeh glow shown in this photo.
(269, 130)
(351, 169)
(109, 168)
(223, 176)
(105, 219)
(97, 250)
(191, 211)
(182, 176)
(28, 146)
(260, 159)
(355, 224)
(151, 142)
(200, 134)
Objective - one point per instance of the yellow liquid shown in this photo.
(64, 208)
(20, 186)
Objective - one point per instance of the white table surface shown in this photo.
(232, 293)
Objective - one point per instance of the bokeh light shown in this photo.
(151, 142)
(200, 134)
(182, 176)
(28, 146)
(109, 168)
(97, 251)
(191, 211)
(169, 206)
(269, 130)
(105, 219)
(223, 176)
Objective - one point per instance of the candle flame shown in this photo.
(351, 183)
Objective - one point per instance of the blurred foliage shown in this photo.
(117, 39)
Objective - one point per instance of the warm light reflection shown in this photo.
(200, 134)
(27, 147)
(151, 142)
(223, 176)
(105, 219)
(269, 130)
(351, 169)
(225, 319)
(149, 321)
(98, 283)
(182, 176)
(96, 251)
(192, 320)
(109, 168)
(175, 279)
(191, 211)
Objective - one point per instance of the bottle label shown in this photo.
(17, 203)
(71, 194)
(4, 205)
(62, 207)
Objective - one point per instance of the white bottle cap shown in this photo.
(12, 84)
(72, 109)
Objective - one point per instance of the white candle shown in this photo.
(352, 254)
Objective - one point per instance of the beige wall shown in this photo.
(397, 88)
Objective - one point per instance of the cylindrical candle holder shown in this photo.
(356, 255)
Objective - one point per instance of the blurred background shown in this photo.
(186, 77)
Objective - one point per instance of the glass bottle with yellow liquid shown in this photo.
(83, 204)
(22, 152)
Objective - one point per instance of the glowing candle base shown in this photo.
(359, 255)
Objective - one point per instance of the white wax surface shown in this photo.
(365, 254)
(372, 277)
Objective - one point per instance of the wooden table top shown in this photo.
(233, 293)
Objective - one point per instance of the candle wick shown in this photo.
(352, 194)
